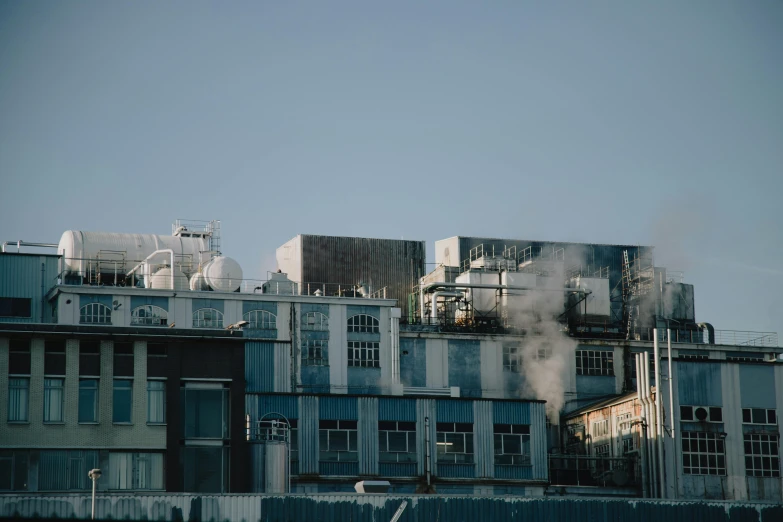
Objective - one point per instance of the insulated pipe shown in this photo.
(427, 467)
(166, 250)
(658, 414)
(19, 244)
(673, 458)
(434, 302)
(426, 288)
(643, 430)
(651, 416)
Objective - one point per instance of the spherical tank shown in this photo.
(197, 282)
(223, 274)
(161, 280)
(78, 247)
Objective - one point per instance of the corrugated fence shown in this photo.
(380, 508)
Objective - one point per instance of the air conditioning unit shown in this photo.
(701, 414)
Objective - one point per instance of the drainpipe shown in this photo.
(651, 424)
(427, 467)
(643, 426)
(658, 415)
(673, 458)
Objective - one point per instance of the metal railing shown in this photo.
(746, 338)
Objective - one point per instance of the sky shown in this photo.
(605, 121)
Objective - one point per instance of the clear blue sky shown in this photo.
(601, 121)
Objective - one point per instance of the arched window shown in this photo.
(315, 321)
(363, 323)
(207, 318)
(149, 315)
(95, 313)
(261, 319)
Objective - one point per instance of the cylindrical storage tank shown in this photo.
(161, 280)
(223, 274)
(257, 465)
(275, 466)
(77, 247)
(197, 282)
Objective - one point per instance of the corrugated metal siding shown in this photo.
(425, 408)
(511, 412)
(339, 408)
(368, 441)
(483, 445)
(538, 441)
(308, 435)
(342, 469)
(455, 410)
(397, 469)
(21, 276)
(375, 508)
(513, 472)
(397, 409)
(391, 263)
(282, 382)
(447, 470)
(257, 405)
(259, 367)
(699, 384)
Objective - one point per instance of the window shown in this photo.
(363, 323)
(601, 450)
(156, 360)
(88, 400)
(89, 359)
(16, 307)
(18, 399)
(694, 357)
(13, 470)
(261, 319)
(512, 357)
(135, 471)
(703, 453)
(205, 469)
(205, 410)
(149, 315)
(95, 313)
(54, 358)
(19, 357)
(759, 416)
(361, 353)
(745, 357)
(701, 414)
(53, 400)
(315, 321)
(512, 444)
(455, 442)
(207, 318)
(594, 362)
(156, 402)
(542, 353)
(397, 441)
(123, 401)
(294, 441)
(63, 470)
(628, 445)
(314, 352)
(762, 455)
(123, 360)
(338, 441)
(600, 429)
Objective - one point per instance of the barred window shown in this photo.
(261, 319)
(366, 354)
(762, 455)
(314, 352)
(363, 323)
(455, 442)
(207, 318)
(149, 315)
(397, 441)
(95, 313)
(703, 453)
(594, 362)
(315, 321)
(512, 444)
(338, 440)
(512, 357)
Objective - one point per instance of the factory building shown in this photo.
(499, 373)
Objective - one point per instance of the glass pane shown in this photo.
(512, 444)
(455, 443)
(398, 441)
(759, 416)
(338, 440)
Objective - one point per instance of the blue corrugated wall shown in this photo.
(699, 384)
(259, 367)
(465, 366)
(29, 276)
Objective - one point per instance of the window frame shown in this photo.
(503, 433)
(136, 457)
(17, 307)
(327, 430)
(95, 400)
(770, 414)
(156, 391)
(595, 362)
(154, 316)
(320, 322)
(50, 386)
(23, 403)
(200, 322)
(363, 323)
(310, 347)
(123, 390)
(371, 350)
(260, 320)
(702, 452)
(512, 357)
(454, 431)
(757, 457)
(97, 313)
(385, 428)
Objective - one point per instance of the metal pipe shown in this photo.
(427, 467)
(434, 301)
(651, 416)
(673, 458)
(19, 244)
(658, 415)
(166, 250)
(643, 430)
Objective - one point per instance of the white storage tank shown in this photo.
(124, 250)
(597, 304)
(162, 280)
(223, 274)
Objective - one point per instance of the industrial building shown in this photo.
(511, 369)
